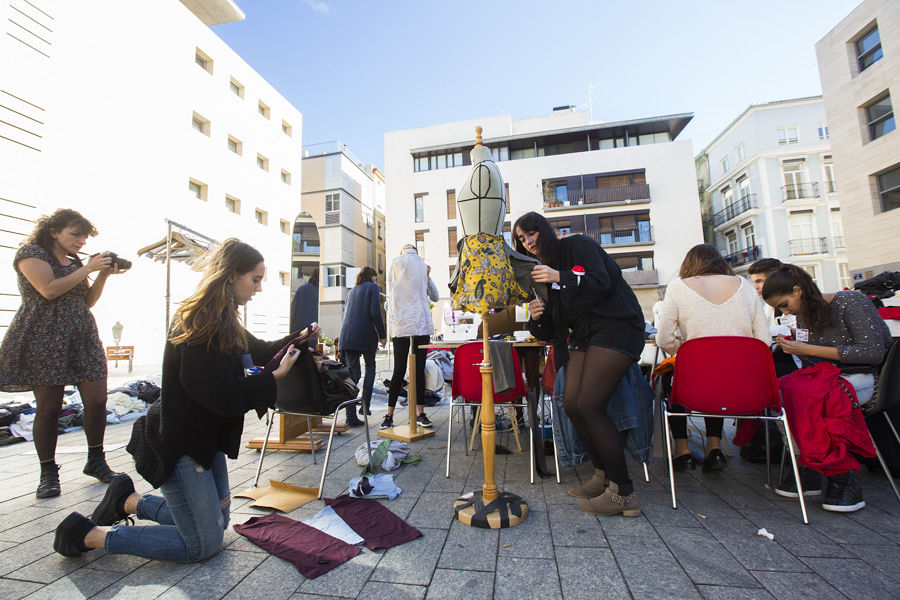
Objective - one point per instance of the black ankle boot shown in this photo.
(70, 534)
(96, 467)
(49, 484)
(111, 509)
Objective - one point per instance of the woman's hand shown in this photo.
(100, 262)
(536, 308)
(311, 333)
(287, 362)
(792, 346)
(545, 274)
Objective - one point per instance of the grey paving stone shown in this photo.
(119, 563)
(586, 573)
(273, 579)
(884, 558)
(754, 552)
(346, 580)
(794, 536)
(25, 553)
(215, 577)
(883, 522)
(853, 578)
(395, 591)
(797, 586)
(619, 525)
(451, 584)
(650, 570)
(315, 597)
(844, 530)
(413, 562)
(518, 578)
(83, 583)
(715, 592)
(470, 548)
(51, 567)
(706, 504)
(657, 508)
(529, 539)
(572, 527)
(148, 581)
(704, 559)
(12, 589)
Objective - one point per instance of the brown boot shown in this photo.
(611, 503)
(592, 487)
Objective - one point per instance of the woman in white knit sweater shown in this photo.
(707, 300)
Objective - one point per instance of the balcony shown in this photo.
(613, 238)
(799, 191)
(734, 209)
(838, 242)
(636, 278)
(807, 246)
(743, 257)
(603, 195)
(830, 187)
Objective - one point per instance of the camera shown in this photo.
(116, 261)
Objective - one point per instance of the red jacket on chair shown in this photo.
(826, 423)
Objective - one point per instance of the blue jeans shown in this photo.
(192, 516)
(352, 357)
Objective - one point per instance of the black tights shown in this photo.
(48, 400)
(401, 354)
(679, 425)
(591, 379)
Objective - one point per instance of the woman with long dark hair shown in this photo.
(707, 300)
(590, 304)
(52, 340)
(843, 328)
(181, 444)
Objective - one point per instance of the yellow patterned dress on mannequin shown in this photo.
(486, 279)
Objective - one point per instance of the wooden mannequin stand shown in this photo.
(411, 433)
(477, 510)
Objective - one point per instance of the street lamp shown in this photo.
(117, 332)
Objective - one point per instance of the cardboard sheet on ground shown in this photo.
(280, 496)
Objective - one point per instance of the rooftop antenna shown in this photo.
(591, 89)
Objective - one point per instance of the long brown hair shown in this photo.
(704, 259)
(210, 315)
(365, 274)
(59, 220)
(547, 242)
(815, 313)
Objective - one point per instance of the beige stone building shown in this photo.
(859, 64)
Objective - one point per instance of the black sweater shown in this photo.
(201, 409)
(602, 293)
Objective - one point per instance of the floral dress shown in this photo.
(50, 342)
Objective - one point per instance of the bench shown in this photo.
(118, 353)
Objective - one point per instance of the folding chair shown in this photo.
(727, 377)
(312, 441)
(887, 396)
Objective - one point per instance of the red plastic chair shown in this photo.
(465, 390)
(727, 377)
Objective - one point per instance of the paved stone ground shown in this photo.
(707, 548)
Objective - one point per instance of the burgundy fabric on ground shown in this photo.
(313, 552)
(373, 521)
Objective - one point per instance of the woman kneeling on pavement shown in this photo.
(181, 444)
(590, 303)
(842, 328)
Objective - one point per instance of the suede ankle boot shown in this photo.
(96, 466)
(592, 487)
(611, 503)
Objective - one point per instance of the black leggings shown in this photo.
(591, 378)
(679, 425)
(401, 352)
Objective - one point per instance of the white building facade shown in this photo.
(136, 121)
(774, 192)
(630, 185)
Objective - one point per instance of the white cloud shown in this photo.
(319, 7)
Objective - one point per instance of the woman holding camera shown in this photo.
(52, 340)
(181, 444)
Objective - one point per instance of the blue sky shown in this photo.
(357, 69)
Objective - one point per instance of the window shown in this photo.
(727, 197)
(740, 153)
(236, 88)
(451, 204)
(380, 264)
(335, 275)
(749, 235)
(843, 276)
(507, 234)
(285, 177)
(837, 228)
(285, 278)
(202, 59)
(803, 232)
(725, 165)
(380, 234)
(285, 226)
(823, 131)
(200, 123)
(828, 168)
(794, 172)
(787, 135)
(420, 243)
(235, 145)
(732, 240)
(506, 188)
(419, 200)
(880, 117)
(451, 241)
(261, 216)
(868, 49)
(197, 189)
(263, 109)
(444, 160)
(743, 183)
(306, 239)
(233, 204)
(286, 128)
(813, 272)
(889, 189)
(333, 202)
(262, 162)
(499, 153)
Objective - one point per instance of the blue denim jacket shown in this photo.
(630, 408)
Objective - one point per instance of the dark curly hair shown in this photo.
(59, 220)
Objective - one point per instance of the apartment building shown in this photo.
(340, 193)
(134, 122)
(773, 191)
(859, 65)
(629, 185)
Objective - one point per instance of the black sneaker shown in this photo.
(422, 421)
(70, 534)
(111, 509)
(388, 422)
(809, 479)
(844, 493)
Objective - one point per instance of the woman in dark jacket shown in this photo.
(591, 306)
(181, 444)
(361, 333)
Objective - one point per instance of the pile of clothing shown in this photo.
(130, 401)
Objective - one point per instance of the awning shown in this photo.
(185, 248)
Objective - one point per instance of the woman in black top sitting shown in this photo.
(181, 444)
(591, 305)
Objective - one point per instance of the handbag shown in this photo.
(314, 386)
